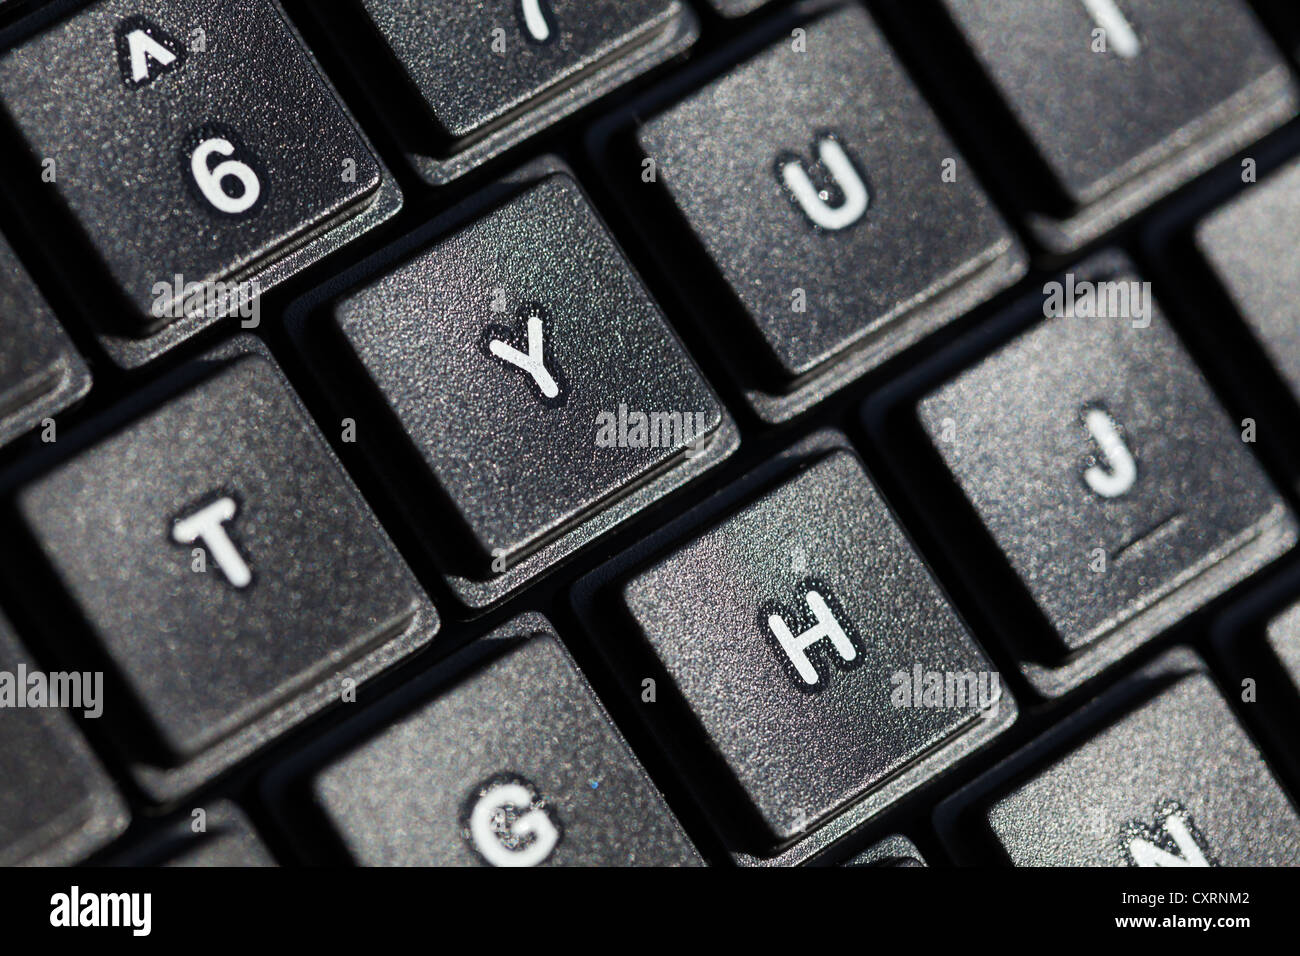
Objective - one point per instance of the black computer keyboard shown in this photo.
(658, 432)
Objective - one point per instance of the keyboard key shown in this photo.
(846, 227)
(216, 836)
(1283, 636)
(226, 565)
(40, 370)
(548, 779)
(1251, 244)
(813, 647)
(1257, 645)
(1174, 781)
(491, 74)
(1123, 101)
(231, 160)
(1105, 470)
(737, 8)
(891, 851)
(57, 805)
(558, 389)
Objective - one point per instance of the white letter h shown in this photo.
(796, 645)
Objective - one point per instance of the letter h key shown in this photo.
(779, 628)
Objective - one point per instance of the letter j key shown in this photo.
(1108, 475)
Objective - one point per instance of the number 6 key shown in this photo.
(199, 150)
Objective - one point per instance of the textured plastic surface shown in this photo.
(123, 151)
(213, 662)
(490, 74)
(404, 797)
(923, 251)
(891, 851)
(522, 469)
(1109, 572)
(737, 8)
(1252, 243)
(1179, 757)
(447, 50)
(1119, 131)
(56, 805)
(1283, 637)
(802, 753)
(40, 370)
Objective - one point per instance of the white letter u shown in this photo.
(836, 162)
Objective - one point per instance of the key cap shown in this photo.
(548, 779)
(803, 634)
(891, 851)
(737, 8)
(490, 74)
(828, 215)
(1123, 101)
(57, 805)
(1173, 781)
(1257, 642)
(230, 161)
(226, 565)
(227, 839)
(1250, 243)
(41, 372)
(1283, 636)
(535, 378)
(1106, 472)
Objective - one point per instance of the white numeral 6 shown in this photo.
(211, 179)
